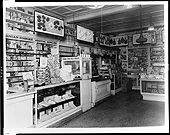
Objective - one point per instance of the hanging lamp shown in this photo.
(101, 29)
(141, 39)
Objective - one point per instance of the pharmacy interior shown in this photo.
(63, 60)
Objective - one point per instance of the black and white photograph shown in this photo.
(85, 67)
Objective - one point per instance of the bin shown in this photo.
(126, 84)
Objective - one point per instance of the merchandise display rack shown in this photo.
(52, 113)
(152, 83)
(15, 34)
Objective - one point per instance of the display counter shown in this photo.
(152, 89)
(100, 90)
(19, 108)
(56, 103)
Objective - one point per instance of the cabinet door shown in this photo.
(19, 112)
(85, 88)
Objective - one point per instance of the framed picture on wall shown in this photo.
(84, 34)
(48, 24)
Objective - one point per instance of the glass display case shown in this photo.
(80, 66)
(152, 89)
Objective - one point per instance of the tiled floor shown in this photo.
(125, 109)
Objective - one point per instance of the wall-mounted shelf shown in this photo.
(18, 11)
(19, 39)
(118, 45)
(21, 23)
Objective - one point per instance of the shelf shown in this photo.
(14, 82)
(151, 80)
(18, 11)
(18, 71)
(22, 29)
(65, 52)
(42, 54)
(19, 39)
(67, 27)
(151, 88)
(20, 49)
(55, 105)
(25, 49)
(50, 43)
(21, 66)
(69, 35)
(105, 45)
(55, 85)
(19, 60)
(118, 45)
(14, 21)
(157, 46)
(21, 53)
(43, 50)
(158, 64)
(59, 117)
(13, 76)
(138, 47)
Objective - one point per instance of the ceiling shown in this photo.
(110, 19)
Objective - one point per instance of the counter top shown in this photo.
(19, 94)
(143, 79)
(55, 85)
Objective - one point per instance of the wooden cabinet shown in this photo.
(85, 88)
(100, 90)
(19, 110)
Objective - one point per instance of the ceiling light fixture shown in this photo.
(95, 6)
(141, 39)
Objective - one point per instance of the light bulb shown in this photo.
(151, 28)
(95, 6)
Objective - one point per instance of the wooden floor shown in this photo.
(125, 109)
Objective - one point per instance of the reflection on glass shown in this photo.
(86, 67)
(75, 66)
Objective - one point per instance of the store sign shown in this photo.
(104, 40)
(47, 24)
(119, 40)
(151, 38)
(85, 34)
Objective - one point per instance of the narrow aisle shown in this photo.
(121, 110)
